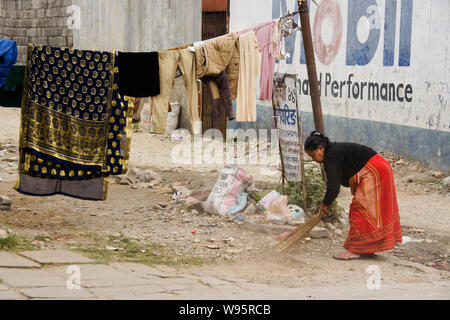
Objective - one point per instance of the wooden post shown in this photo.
(274, 105)
(300, 140)
(311, 65)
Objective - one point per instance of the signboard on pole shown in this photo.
(289, 125)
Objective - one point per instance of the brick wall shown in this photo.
(35, 21)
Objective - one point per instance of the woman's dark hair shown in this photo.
(316, 139)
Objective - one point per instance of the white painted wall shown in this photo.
(428, 72)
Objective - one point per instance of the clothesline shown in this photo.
(224, 35)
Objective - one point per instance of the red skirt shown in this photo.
(374, 218)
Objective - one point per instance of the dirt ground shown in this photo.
(148, 215)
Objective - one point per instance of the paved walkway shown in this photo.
(48, 274)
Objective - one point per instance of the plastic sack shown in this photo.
(269, 199)
(297, 214)
(275, 218)
(227, 195)
(280, 206)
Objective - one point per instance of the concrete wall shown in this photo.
(383, 67)
(105, 25)
(35, 21)
(137, 25)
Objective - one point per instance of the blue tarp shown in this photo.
(8, 57)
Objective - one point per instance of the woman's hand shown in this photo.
(323, 211)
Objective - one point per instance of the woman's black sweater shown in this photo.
(342, 161)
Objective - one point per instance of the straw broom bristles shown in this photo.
(300, 233)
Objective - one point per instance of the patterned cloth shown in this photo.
(75, 125)
(374, 218)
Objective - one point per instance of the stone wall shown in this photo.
(35, 21)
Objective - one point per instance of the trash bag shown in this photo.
(228, 195)
(269, 199)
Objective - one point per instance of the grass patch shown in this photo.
(133, 251)
(15, 243)
(315, 192)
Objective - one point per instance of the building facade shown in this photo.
(383, 68)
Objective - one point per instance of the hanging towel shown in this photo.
(139, 74)
(248, 71)
(265, 33)
(8, 57)
(75, 126)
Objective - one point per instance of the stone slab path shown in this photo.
(49, 274)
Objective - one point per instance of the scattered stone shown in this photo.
(123, 180)
(318, 232)
(4, 234)
(413, 168)
(437, 174)
(417, 230)
(228, 240)
(446, 182)
(154, 183)
(399, 162)
(114, 249)
(211, 240)
(156, 253)
(5, 203)
(184, 191)
(331, 226)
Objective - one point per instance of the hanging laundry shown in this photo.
(75, 126)
(248, 71)
(268, 47)
(168, 63)
(216, 56)
(139, 74)
(8, 57)
(216, 99)
(220, 97)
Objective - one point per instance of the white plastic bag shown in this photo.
(269, 199)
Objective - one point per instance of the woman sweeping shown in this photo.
(374, 218)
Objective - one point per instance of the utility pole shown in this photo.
(311, 65)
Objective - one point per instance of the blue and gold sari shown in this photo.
(75, 126)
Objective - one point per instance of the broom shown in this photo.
(300, 233)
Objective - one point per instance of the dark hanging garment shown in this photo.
(139, 74)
